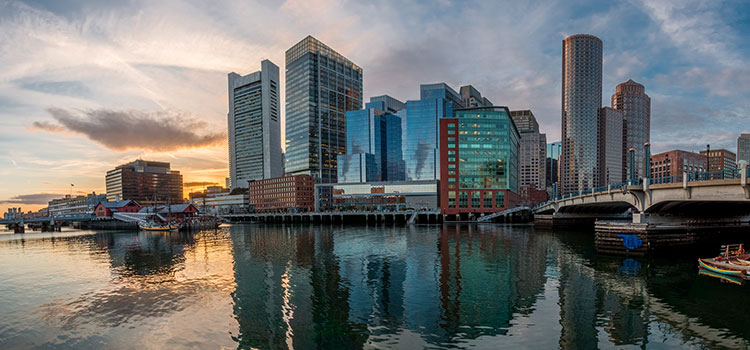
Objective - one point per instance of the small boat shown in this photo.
(732, 261)
(149, 225)
(705, 265)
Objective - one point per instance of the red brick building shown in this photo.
(676, 162)
(721, 159)
(531, 196)
(479, 154)
(106, 209)
(281, 194)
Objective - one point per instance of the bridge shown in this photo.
(687, 203)
(45, 223)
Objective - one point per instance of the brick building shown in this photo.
(676, 162)
(281, 194)
(479, 154)
(721, 159)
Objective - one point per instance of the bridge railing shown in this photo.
(673, 179)
(695, 176)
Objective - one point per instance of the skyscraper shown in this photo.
(743, 148)
(552, 165)
(581, 100)
(421, 129)
(254, 126)
(533, 154)
(610, 146)
(321, 86)
(373, 143)
(630, 99)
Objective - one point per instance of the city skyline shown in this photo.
(105, 76)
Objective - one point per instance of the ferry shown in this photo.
(732, 261)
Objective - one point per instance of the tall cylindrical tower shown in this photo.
(581, 100)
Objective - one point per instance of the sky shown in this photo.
(87, 85)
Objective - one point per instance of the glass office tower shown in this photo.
(479, 161)
(581, 100)
(321, 86)
(373, 146)
(421, 129)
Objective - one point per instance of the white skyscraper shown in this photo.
(254, 126)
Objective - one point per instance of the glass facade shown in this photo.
(581, 100)
(421, 130)
(480, 158)
(321, 86)
(373, 145)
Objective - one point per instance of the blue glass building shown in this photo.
(421, 130)
(373, 143)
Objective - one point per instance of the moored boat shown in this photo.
(732, 261)
(149, 225)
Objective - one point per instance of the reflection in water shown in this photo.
(333, 287)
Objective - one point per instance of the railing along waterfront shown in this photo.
(673, 179)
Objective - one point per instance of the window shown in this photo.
(499, 199)
(487, 200)
(451, 199)
(463, 200)
(475, 199)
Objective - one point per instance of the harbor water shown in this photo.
(260, 286)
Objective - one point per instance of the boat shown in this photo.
(732, 261)
(149, 225)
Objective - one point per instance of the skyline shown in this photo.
(70, 72)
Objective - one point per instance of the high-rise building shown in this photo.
(373, 143)
(552, 165)
(581, 100)
(421, 129)
(146, 182)
(630, 99)
(254, 125)
(610, 146)
(675, 163)
(471, 97)
(743, 149)
(533, 152)
(478, 161)
(321, 86)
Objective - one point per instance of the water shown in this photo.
(333, 287)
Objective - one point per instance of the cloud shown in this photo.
(35, 198)
(198, 184)
(132, 129)
(47, 126)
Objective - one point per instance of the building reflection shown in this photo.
(289, 290)
(486, 279)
